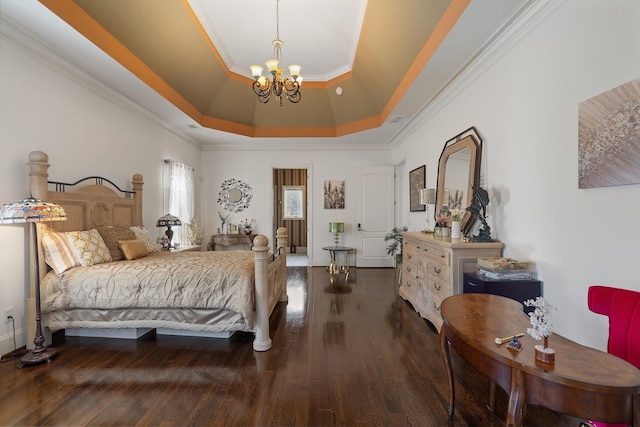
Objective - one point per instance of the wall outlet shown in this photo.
(6, 313)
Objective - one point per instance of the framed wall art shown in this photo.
(416, 183)
(334, 194)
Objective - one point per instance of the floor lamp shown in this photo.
(33, 210)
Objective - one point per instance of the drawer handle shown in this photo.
(437, 270)
(442, 256)
(438, 287)
(409, 257)
(408, 284)
(436, 307)
(408, 269)
(475, 285)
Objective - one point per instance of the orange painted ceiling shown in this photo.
(392, 58)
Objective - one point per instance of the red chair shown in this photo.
(623, 308)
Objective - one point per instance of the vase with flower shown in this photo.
(456, 217)
(223, 221)
(542, 327)
(247, 225)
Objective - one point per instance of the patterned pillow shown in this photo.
(111, 235)
(143, 234)
(133, 249)
(58, 252)
(89, 247)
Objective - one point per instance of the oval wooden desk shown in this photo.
(583, 382)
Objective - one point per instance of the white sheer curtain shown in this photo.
(181, 196)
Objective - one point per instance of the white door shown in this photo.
(375, 208)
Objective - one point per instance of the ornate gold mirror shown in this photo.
(235, 195)
(458, 174)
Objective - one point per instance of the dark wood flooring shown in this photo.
(343, 355)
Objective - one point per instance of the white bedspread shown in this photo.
(202, 280)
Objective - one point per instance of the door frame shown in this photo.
(309, 200)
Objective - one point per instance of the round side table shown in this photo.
(335, 267)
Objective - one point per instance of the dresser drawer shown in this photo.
(434, 305)
(410, 253)
(439, 288)
(439, 271)
(410, 270)
(411, 284)
(437, 255)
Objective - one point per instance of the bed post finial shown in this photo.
(137, 183)
(282, 241)
(39, 188)
(262, 341)
(38, 174)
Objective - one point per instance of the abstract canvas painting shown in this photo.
(609, 138)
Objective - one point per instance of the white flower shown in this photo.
(456, 214)
(540, 318)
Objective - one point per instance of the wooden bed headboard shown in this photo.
(90, 202)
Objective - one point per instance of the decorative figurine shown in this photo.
(514, 344)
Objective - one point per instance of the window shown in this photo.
(179, 190)
(293, 199)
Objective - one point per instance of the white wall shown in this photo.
(84, 133)
(525, 105)
(256, 170)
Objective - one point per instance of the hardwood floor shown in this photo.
(343, 355)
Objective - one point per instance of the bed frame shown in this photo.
(93, 202)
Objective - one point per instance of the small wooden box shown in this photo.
(502, 264)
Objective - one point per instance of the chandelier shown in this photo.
(279, 85)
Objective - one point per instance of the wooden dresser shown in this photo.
(433, 269)
(221, 242)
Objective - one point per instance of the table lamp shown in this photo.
(168, 221)
(428, 198)
(336, 228)
(33, 210)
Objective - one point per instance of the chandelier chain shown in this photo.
(277, 19)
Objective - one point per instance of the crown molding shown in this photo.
(531, 14)
(15, 35)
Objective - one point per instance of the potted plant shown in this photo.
(542, 327)
(395, 245)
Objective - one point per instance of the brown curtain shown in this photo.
(297, 228)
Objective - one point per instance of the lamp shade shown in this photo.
(168, 220)
(31, 210)
(336, 227)
(427, 196)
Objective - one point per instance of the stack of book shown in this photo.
(503, 269)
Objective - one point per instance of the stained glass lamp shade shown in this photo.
(168, 221)
(33, 210)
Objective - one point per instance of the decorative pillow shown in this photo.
(143, 234)
(133, 249)
(111, 235)
(89, 247)
(58, 252)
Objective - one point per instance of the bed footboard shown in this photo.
(271, 284)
